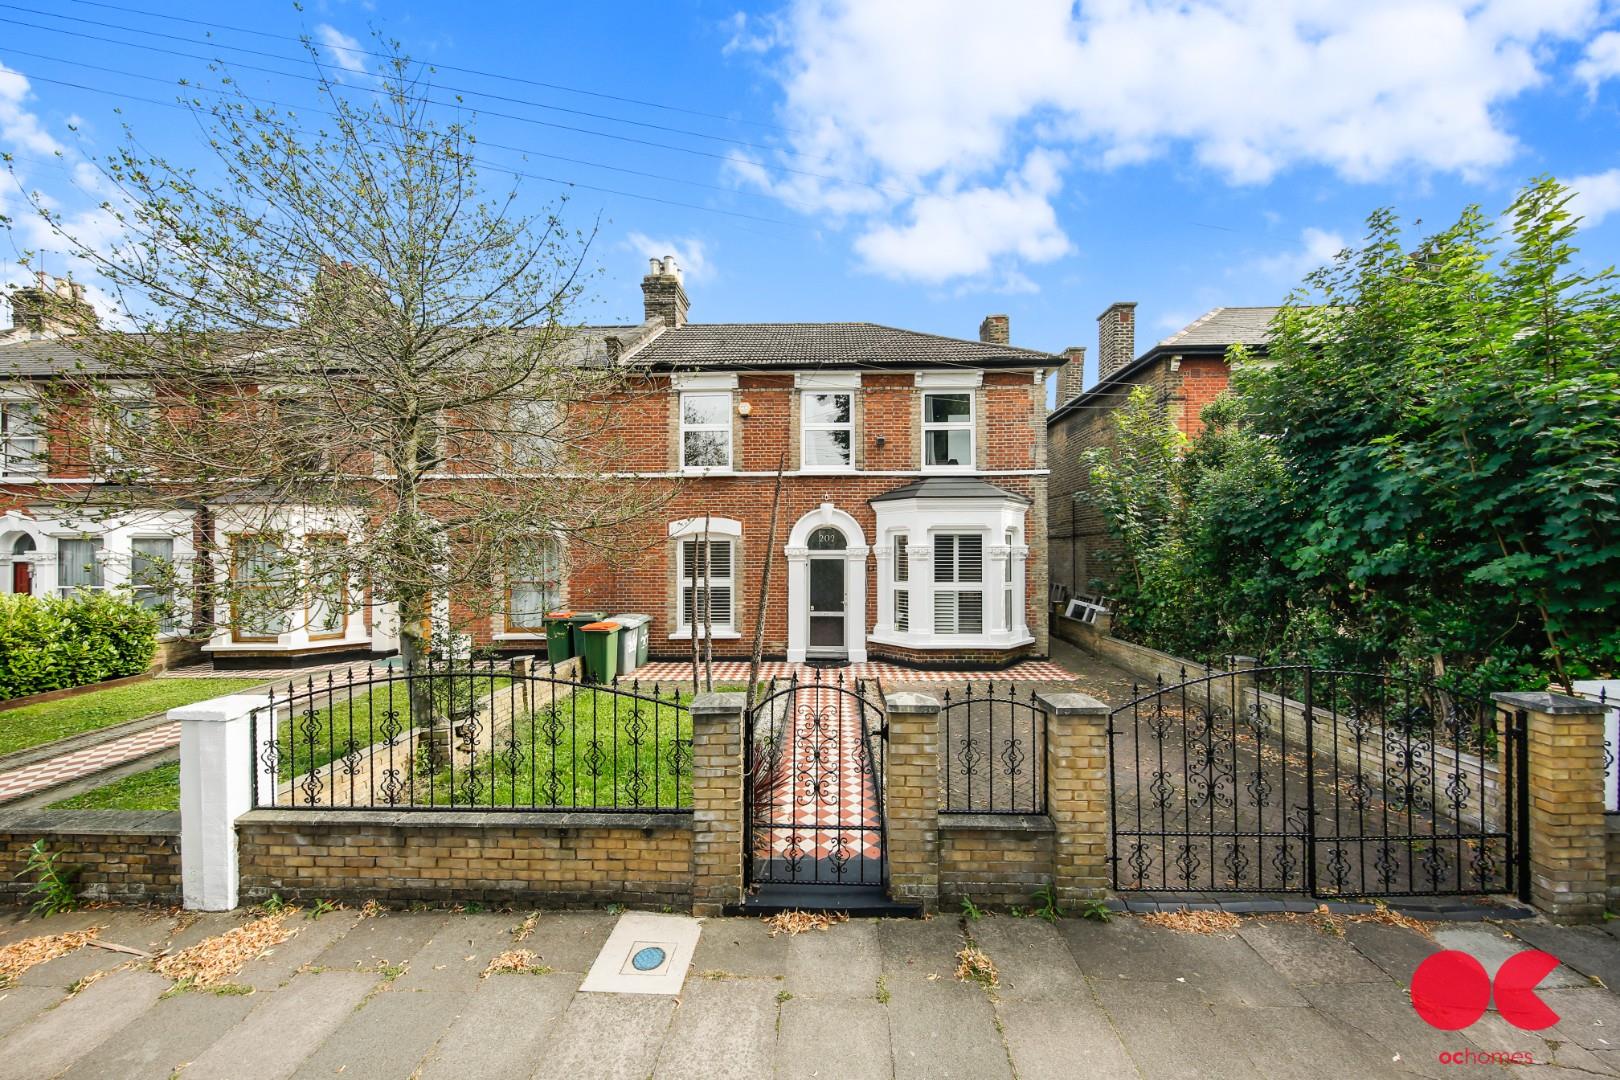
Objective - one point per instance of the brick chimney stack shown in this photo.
(1072, 375)
(1116, 337)
(995, 330)
(662, 293)
(51, 306)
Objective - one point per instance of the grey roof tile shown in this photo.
(947, 487)
(855, 344)
(1224, 326)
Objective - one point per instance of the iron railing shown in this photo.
(994, 752)
(472, 735)
(1299, 779)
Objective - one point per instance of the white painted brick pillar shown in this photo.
(218, 771)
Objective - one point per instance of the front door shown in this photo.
(827, 607)
(22, 578)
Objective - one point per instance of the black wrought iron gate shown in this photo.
(813, 771)
(1330, 783)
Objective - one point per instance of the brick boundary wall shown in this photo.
(553, 860)
(999, 859)
(126, 856)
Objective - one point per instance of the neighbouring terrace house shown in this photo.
(1186, 371)
(912, 524)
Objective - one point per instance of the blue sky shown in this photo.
(917, 164)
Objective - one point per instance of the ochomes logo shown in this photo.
(1450, 990)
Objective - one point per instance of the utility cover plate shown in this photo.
(645, 954)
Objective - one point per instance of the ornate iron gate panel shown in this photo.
(1325, 782)
(813, 761)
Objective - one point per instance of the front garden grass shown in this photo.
(155, 789)
(48, 721)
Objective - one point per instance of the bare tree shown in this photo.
(764, 584)
(346, 334)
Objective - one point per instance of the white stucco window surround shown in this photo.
(117, 547)
(855, 551)
(310, 622)
(961, 584)
(725, 581)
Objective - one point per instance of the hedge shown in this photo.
(51, 643)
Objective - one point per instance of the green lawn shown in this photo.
(155, 789)
(35, 725)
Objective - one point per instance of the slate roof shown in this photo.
(838, 344)
(947, 487)
(1211, 333)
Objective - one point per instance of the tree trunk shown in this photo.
(765, 585)
(708, 610)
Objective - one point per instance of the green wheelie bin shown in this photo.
(577, 619)
(559, 637)
(601, 651)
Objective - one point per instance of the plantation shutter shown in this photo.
(958, 560)
(902, 576)
(720, 581)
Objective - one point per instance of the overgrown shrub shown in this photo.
(51, 643)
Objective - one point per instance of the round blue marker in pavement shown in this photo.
(648, 959)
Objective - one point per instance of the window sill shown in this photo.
(828, 470)
(707, 470)
(945, 642)
(718, 635)
(519, 636)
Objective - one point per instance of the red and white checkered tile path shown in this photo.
(735, 671)
(92, 759)
(823, 809)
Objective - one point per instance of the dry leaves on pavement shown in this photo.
(1195, 922)
(19, 956)
(974, 965)
(217, 960)
(797, 922)
(515, 962)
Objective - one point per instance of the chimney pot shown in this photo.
(1116, 338)
(994, 330)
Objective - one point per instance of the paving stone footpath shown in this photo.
(402, 995)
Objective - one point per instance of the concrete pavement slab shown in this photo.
(55, 1039)
(20, 1004)
(283, 1028)
(1224, 967)
(381, 940)
(311, 937)
(1305, 955)
(1588, 1017)
(1031, 957)
(1062, 1039)
(741, 947)
(833, 1037)
(460, 950)
(205, 925)
(1492, 945)
(119, 927)
(725, 1029)
(570, 940)
(386, 1037)
(500, 1028)
(840, 962)
(1301, 1044)
(1170, 1032)
(1585, 949)
(161, 1040)
(943, 1029)
(918, 946)
(1394, 950)
(606, 1037)
(1383, 1014)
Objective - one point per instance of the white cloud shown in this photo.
(961, 233)
(1601, 61)
(1317, 247)
(346, 52)
(691, 253)
(1595, 196)
(756, 35)
(929, 103)
(19, 128)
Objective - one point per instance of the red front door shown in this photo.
(22, 578)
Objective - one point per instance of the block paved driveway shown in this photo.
(866, 999)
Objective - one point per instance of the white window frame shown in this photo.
(727, 427)
(32, 463)
(970, 426)
(806, 427)
(683, 625)
(98, 563)
(955, 586)
(537, 553)
(165, 599)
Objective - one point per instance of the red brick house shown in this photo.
(1186, 371)
(912, 524)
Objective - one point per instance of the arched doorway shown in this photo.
(829, 601)
(826, 553)
(22, 569)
